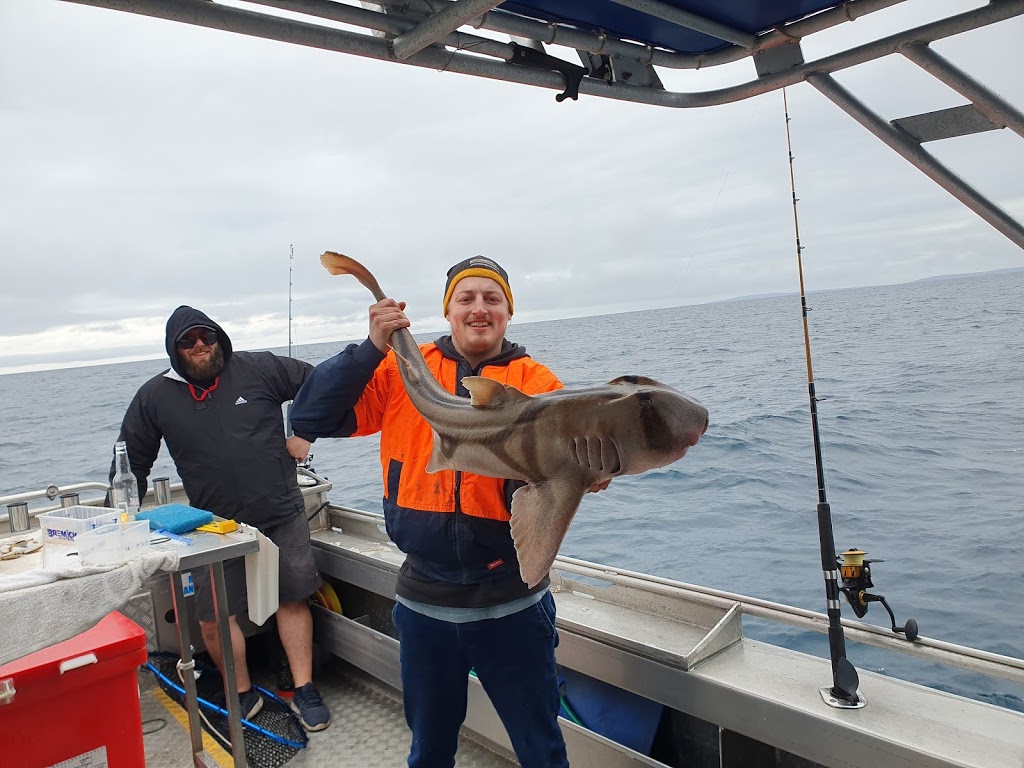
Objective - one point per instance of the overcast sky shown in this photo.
(145, 164)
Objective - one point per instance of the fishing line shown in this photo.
(721, 188)
(466, 47)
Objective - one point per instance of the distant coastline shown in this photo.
(98, 357)
(931, 279)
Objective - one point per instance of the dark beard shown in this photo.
(205, 371)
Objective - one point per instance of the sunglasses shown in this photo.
(207, 336)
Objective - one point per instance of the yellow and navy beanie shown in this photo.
(478, 266)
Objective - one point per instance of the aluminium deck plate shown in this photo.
(368, 729)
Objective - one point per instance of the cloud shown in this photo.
(149, 164)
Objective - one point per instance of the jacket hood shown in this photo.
(183, 318)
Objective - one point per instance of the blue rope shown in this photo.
(246, 723)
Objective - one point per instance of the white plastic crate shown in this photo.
(113, 544)
(62, 526)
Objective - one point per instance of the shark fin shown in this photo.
(541, 513)
(486, 392)
(409, 371)
(636, 380)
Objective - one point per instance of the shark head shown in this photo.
(668, 423)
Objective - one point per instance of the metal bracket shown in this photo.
(527, 57)
(945, 123)
(839, 703)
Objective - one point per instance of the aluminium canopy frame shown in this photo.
(622, 45)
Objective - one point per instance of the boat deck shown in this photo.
(367, 730)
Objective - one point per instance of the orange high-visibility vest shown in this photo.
(406, 439)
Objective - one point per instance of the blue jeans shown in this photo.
(514, 658)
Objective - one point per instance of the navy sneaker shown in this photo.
(309, 706)
(251, 702)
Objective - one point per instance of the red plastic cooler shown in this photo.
(76, 699)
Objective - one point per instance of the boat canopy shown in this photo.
(683, 26)
(615, 49)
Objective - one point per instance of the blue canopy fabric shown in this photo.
(752, 16)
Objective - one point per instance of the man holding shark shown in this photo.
(461, 602)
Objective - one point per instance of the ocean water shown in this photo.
(921, 388)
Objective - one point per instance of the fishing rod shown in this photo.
(308, 462)
(291, 261)
(851, 568)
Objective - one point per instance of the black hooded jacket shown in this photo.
(228, 447)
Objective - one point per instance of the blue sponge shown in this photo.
(176, 518)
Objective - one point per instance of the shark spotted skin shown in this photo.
(559, 443)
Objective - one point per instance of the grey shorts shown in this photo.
(298, 577)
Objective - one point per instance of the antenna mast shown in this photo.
(291, 259)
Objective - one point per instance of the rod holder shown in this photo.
(162, 490)
(17, 517)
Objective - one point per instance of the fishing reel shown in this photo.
(856, 575)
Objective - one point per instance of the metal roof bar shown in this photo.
(988, 103)
(435, 27)
(692, 21)
(909, 148)
(241, 21)
(392, 24)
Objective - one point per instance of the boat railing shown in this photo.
(928, 649)
(925, 648)
(371, 525)
(50, 492)
(54, 491)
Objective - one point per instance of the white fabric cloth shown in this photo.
(48, 605)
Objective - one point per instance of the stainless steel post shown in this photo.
(187, 666)
(68, 500)
(220, 612)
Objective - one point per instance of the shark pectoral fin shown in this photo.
(541, 514)
(486, 392)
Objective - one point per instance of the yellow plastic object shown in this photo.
(219, 526)
(327, 598)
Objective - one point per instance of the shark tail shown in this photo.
(339, 264)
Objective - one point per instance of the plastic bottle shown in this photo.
(124, 489)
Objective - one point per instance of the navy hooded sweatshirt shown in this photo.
(229, 445)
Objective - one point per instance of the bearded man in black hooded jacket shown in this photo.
(219, 412)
